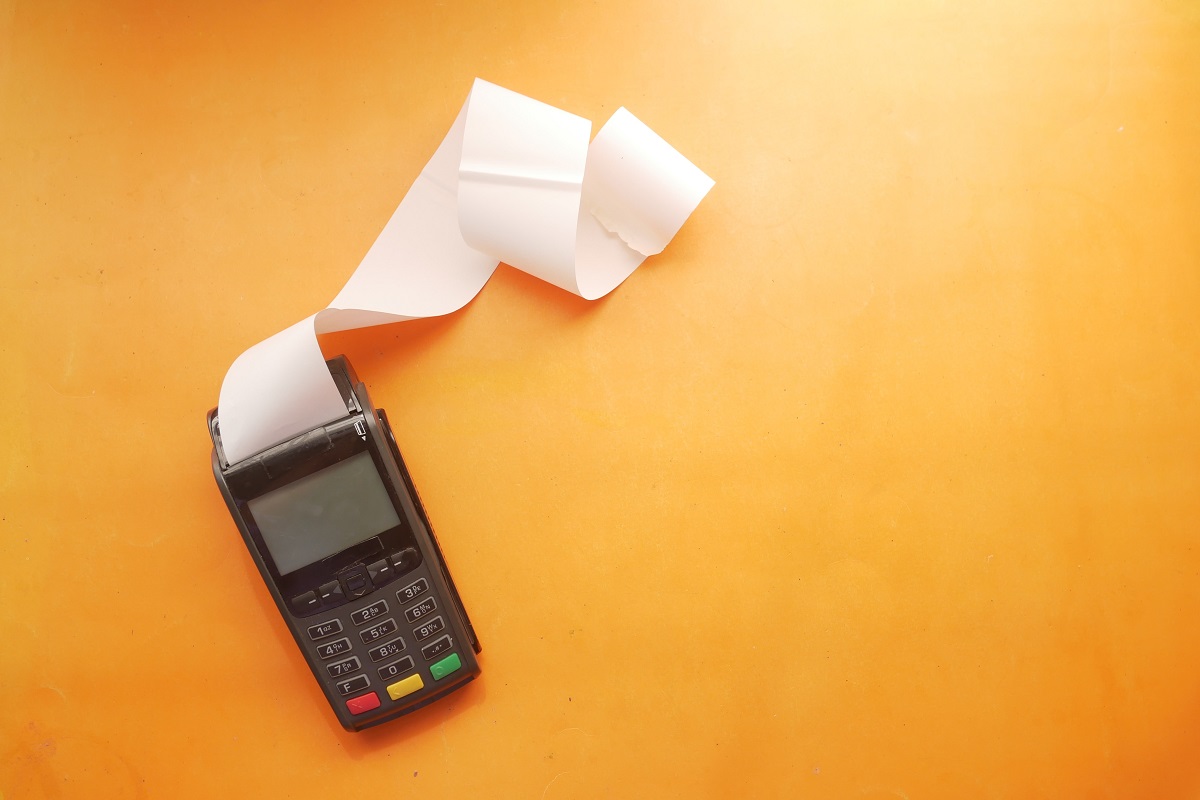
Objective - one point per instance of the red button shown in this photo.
(363, 703)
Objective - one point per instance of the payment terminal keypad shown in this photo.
(381, 635)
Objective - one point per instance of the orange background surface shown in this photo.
(883, 481)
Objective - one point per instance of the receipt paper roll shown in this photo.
(514, 181)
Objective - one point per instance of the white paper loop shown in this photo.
(514, 181)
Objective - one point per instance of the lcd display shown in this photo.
(324, 513)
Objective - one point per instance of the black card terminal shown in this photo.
(335, 526)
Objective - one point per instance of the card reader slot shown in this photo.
(437, 548)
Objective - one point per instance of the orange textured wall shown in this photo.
(883, 481)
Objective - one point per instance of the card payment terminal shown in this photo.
(337, 531)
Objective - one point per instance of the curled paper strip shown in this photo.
(514, 181)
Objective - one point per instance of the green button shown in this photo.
(444, 667)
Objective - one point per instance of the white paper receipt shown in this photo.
(513, 181)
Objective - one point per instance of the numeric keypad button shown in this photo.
(427, 629)
(422, 609)
(334, 648)
(377, 632)
(386, 650)
(344, 667)
(368, 613)
(323, 629)
(396, 668)
(412, 591)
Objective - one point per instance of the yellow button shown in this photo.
(407, 686)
